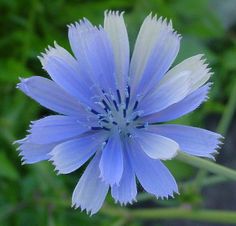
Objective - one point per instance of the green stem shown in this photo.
(216, 216)
(208, 181)
(212, 180)
(224, 123)
(228, 113)
(207, 165)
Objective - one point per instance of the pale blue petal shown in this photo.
(155, 50)
(188, 104)
(93, 51)
(68, 73)
(152, 174)
(69, 79)
(51, 96)
(192, 140)
(32, 153)
(75, 31)
(126, 191)
(156, 146)
(166, 94)
(115, 27)
(90, 192)
(70, 155)
(111, 164)
(199, 72)
(55, 128)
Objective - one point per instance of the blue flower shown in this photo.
(111, 109)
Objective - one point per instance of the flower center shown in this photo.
(118, 114)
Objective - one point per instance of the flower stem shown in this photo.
(216, 216)
(207, 165)
(228, 113)
(223, 125)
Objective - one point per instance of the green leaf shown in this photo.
(7, 170)
(11, 70)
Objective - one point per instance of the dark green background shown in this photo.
(33, 194)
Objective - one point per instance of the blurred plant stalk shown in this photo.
(213, 216)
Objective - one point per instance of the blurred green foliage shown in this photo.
(33, 194)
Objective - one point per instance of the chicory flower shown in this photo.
(110, 110)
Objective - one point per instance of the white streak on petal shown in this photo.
(156, 146)
(199, 71)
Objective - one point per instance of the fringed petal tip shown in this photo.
(52, 160)
(22, 85)
(79, 23)
(50, 51)
(20, 150)
(113, 13)
(168, 196)
(19, 142)
(163, 22)
(24, 159)
(18, 85)
(218, 146)
(125, 202)
(89, 211)
(215, 148)
(204, 64)
(206, 97)
(219, 141)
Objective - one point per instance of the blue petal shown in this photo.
(51, 96)
(111, 164)
(70, 79)
(126, 191)
(90, 192)
(194, 141)
(188, 104)
(167, 93)
(152, 174)
(55, 128)
(32, 153)
(69, 74)
(93, 50)
(155, 50)
(70, 155)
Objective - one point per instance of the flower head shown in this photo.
(110, 109)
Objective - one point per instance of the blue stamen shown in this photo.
(136, 118)
(115, 104)
(119, 97)
(124, 113)
(140, 127)
(94, 112)
(135, 105)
